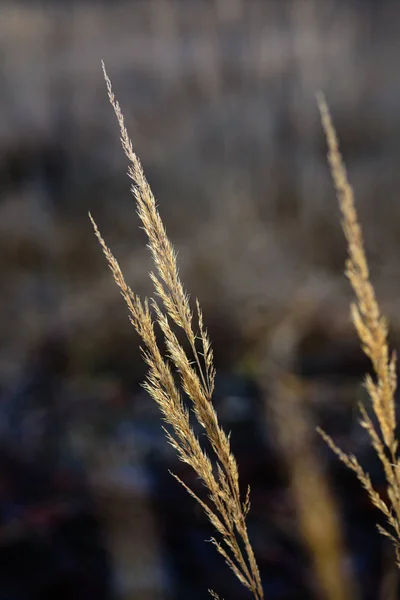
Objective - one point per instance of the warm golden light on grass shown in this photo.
(194, 371)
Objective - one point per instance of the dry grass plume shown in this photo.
(226, 510)
(372, 331)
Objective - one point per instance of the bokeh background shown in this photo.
(219, 99)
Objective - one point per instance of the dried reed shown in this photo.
(372, 330)
(225, 510)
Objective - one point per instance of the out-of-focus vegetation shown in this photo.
(221, 108)
(219, 99)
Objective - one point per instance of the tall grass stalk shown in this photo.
(225, 508)
(372, 331)
(316, 509)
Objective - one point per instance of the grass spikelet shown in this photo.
(196, 372)
(372, 331)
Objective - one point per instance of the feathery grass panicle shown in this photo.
(372, 330)
(225, 509)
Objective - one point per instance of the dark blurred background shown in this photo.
(219, 99)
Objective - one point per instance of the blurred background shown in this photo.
(219, 99)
